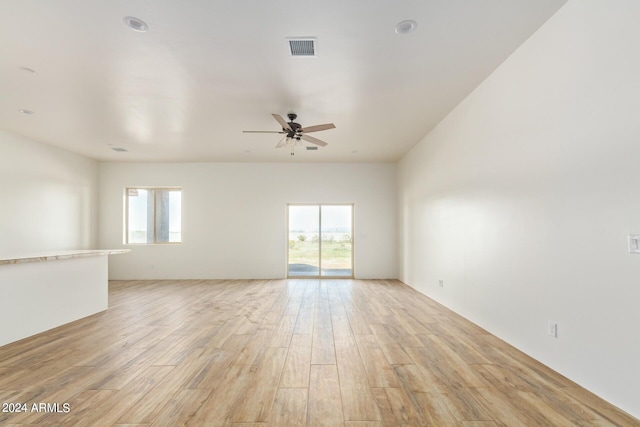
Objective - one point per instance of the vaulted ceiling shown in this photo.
(205, 70)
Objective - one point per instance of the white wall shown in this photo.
(522, 198)
(48, 198)
(234, 216)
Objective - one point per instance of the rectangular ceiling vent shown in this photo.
(312, 148)
(119, 149)
(305, 47)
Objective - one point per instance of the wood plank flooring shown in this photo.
(284, 353)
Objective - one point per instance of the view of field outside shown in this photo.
(316, 230)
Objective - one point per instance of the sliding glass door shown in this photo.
(304, 241)
(320, 241)
(336, 244)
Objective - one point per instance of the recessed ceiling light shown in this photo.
(23, 111)
(406, 26)
(27, 69)
(136, 24)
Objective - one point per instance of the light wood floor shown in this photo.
(284, 353)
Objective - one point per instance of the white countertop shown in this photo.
(58, 255)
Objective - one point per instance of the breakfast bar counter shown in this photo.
(41, 291)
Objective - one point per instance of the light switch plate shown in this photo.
(634, 243)
(553, 329)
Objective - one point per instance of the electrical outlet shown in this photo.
(441, 283)
(553, 329)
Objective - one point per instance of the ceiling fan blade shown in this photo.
(314, 140)
(282, 121)
(263, 131)
(317, 128)
(282, 143)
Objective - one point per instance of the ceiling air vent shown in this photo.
(119, 149)
(312, 148)
(304, 47)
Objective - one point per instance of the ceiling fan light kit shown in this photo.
(294, 132)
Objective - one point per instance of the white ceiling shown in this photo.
(208, 69)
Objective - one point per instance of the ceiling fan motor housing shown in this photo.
(295, 131)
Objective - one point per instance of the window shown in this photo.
(153, 215)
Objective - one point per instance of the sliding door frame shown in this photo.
(320, 205)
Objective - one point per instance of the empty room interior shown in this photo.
(409, 213)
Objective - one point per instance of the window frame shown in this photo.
(126, 215)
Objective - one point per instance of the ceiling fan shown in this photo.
(294, 132)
